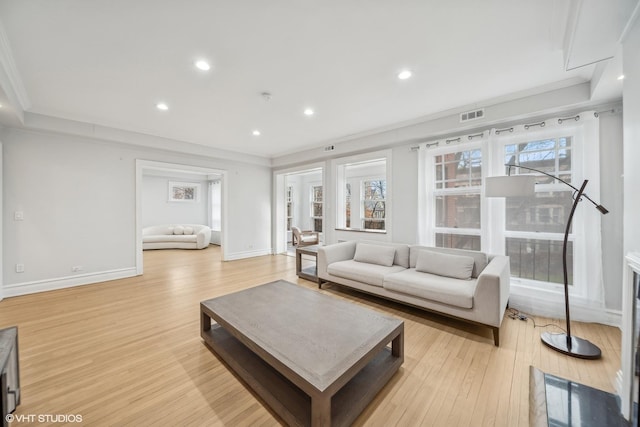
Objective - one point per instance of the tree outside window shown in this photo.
(373, 204)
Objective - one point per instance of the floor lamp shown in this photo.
(524, 185)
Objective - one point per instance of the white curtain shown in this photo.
(425, 206)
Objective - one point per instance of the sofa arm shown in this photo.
(333, 253)
(203, 238)
(492, 290)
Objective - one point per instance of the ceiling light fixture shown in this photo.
(308, 112)
(203, 65)
(162, 106)
(256, 132)
(621, 77)
(404, 74)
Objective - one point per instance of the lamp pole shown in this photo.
(566, 343)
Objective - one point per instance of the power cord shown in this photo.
(512, 313)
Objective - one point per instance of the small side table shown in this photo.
(309, 273)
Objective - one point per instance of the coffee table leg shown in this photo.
(320, 410)
(397, 345)
(205, 322)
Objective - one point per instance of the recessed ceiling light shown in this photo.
(404, 74)
(162, 106)
(308, 112)
(621, 77)
(203, 65)
(256, 132)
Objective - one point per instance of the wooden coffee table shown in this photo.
(315, 359)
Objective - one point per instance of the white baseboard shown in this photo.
(551, 304)
(248, 254)
(25, 288)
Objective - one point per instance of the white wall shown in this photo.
(611, 197)
(78, 198)
(631, 96)
(157, 209)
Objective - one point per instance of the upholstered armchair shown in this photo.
(304, 238)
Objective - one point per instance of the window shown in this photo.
(528, 218)
(348, 204)
(289, 206)
(362, 196)
(373, 204)
(316, 208)
(456, 197)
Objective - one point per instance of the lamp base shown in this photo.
(579, 347)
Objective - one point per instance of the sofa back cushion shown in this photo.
(375, 254)
(480, 259)
(402, 251)
(447, 265)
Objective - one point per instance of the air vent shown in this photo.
(472, 115)
(329, 148)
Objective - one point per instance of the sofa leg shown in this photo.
(496, 336)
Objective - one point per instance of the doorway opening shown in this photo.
(300, 198)
(168, 193)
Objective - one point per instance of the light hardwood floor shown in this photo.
(128, 352)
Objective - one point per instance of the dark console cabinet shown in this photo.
(9, 372)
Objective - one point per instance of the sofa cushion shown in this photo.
(371, 274)
(432, 287)
(188, 230)
(480, 259)
(402, 251)
(375, 254)
(178, 230)
(447, 265)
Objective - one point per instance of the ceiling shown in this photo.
(109, 62)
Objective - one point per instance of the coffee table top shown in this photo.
(317, 336)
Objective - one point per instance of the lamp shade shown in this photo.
(510, 186)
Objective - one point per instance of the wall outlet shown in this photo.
(19, 268)
(76, 268)
(18, 216)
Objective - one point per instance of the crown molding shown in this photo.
(43, 123)
(10, 79)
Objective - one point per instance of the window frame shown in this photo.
(289, 206)
(577, 237)
(555, 186)
(312, 204)
(434, 192)
(363, 200)
(339, 166)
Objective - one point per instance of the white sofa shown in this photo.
(176, 236)
(467, 285)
